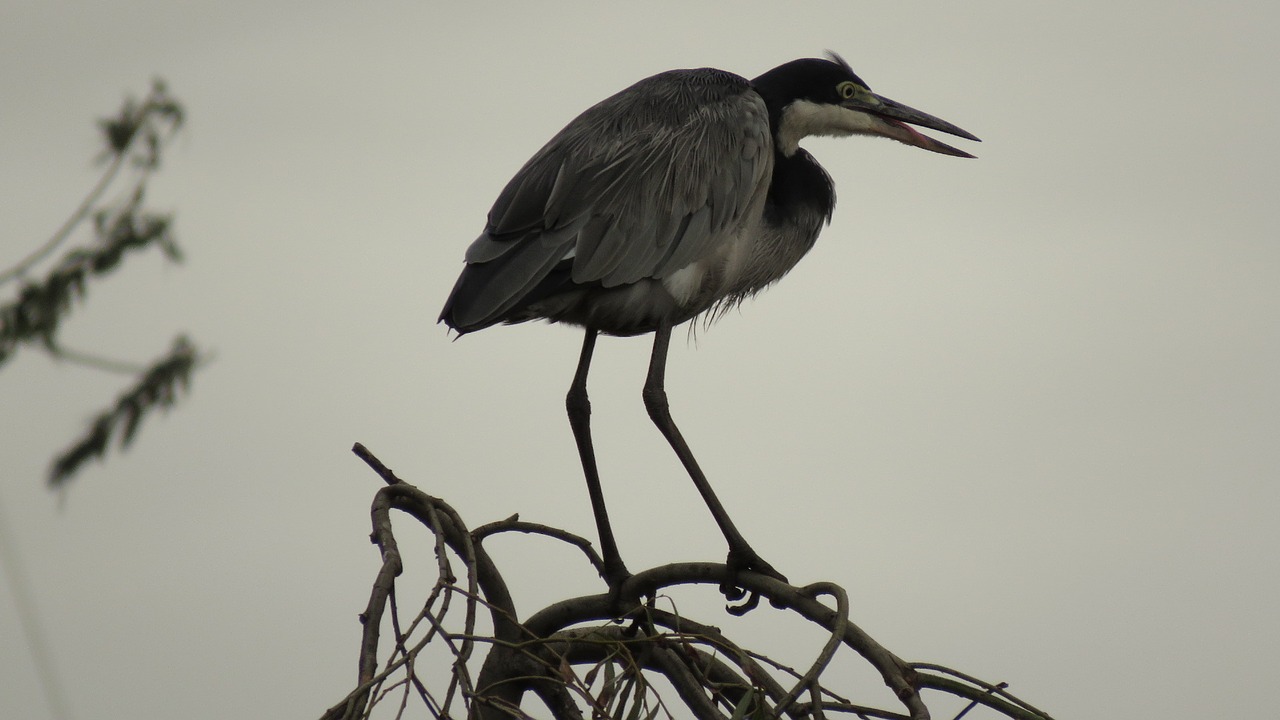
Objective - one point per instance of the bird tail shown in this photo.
(495, 291)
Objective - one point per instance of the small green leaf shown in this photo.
(744, 705)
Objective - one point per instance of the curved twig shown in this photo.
(514, 524)
(839, 626)
(60, 235)
(443, 520)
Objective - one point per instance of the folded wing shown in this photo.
(638, 186)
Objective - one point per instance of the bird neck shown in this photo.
(800, 189)
(801, 119)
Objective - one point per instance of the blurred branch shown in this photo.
(122, 367)
(138, 131)
(20, 268)
(135, 135)
(28, 611)
(578, 657)
(158, 388)
(37, 313)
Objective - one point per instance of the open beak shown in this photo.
(890, 118)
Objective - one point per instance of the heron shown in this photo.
(678, 197)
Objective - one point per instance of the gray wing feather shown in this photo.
(638, 186)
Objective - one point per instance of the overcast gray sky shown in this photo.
(1025, 408)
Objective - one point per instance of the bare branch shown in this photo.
(577, 657)
(992, 695)
(513, 524)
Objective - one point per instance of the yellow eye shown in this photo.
(847, 89)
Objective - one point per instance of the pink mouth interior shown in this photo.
(916, 137)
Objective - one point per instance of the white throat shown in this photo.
(805, 118)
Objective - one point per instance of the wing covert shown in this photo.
(639, 185)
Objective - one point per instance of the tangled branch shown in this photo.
(580, 656)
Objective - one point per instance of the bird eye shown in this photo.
(847, 89)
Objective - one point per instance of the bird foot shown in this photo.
(740, 560)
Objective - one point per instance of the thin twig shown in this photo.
(98, 362)
(42, 665)
(974, 703)
(383, 471)
(513, 524)
(20, 268)
(990, 694)
(838, 627)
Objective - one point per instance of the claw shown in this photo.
(740, 560)
(751, 603)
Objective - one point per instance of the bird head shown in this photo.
(824, 97)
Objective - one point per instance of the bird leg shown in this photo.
(741, 556)
(579, 407)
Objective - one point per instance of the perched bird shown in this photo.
(680, 196)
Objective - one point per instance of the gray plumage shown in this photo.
(669, 176)
(681, 195)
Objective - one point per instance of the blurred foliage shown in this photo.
(153, 119)
(157, 388)
(36, 313)
(136, 136)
